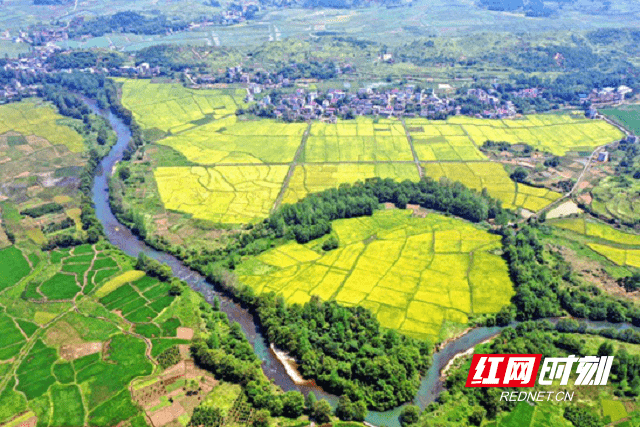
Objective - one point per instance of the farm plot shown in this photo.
(229, 194)
(231, 141)
(33, 117)
(357, 141)
(495, 179)
(13, 267)
(617, 197)
(592, 228)
(438, 141)
(74, 366)
(619, 256)
(313, 178)
(139, 300)
(553, 133)
(414, 274)
(172, 107)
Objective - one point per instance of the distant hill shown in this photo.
(528, 7)
(51, 2)
(334, 4)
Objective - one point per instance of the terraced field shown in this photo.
(617, 197)
(245, 162)
(33, 117)
(76, 326)
(416, 274)
(602, 231)
(617, 246)
(495, 179)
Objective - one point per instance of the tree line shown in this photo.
(549, 289)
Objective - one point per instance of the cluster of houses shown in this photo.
(606, 95)
(303, 104)
(260, 80)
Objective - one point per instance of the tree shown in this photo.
(261, 418)
(176, 287)
(344, 410)
(359, 410)
(330, 244)
(582, 417)
(321, 412)
(477, 415)
(102, 137)
(293, 404)
(605, 349)
(124, 173)
(310, 401)
(520, 174)
(409, 415)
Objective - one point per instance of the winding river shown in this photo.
(122, 237)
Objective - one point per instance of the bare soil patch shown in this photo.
(76, 351)
(184, 333)
(594, 273)
(166, 415)
(183, 399)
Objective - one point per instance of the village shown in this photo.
(291, 95)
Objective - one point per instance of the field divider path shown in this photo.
(575, 186)
(26, 349)
(416, 160)
(292, 167)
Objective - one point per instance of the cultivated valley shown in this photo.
(303, 213)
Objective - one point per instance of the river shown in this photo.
(122, 237)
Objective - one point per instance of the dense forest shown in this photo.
(546, 286)
(85, 59)
(127, 22)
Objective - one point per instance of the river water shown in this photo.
(122, 237)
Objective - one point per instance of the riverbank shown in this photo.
(289, 364)
(470, 351)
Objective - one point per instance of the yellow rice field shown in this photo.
(313, 178)
(415, 274)
(552, 133)
(357, 140)
(226, 194)
(202, 126)
(231, 141)
(495, 179)
(174, 108)
(593, 228)
(33, 117)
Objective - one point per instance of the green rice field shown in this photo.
(628, 115)
(414, 274)
(46, 367)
